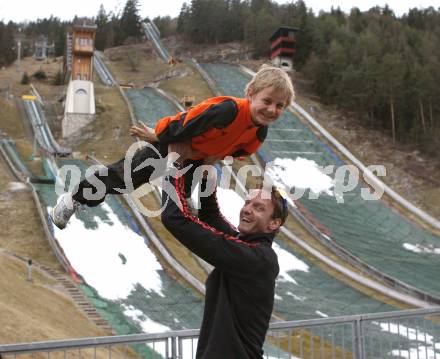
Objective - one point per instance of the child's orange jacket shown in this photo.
(217, 127)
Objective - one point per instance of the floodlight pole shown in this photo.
(19, 38)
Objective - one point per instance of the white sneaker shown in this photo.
(63, 210)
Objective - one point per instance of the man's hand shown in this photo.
(144, 132)
(183, 149)
(210, 160)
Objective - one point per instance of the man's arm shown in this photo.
(210, 213)
(217, 248)
(209, 210)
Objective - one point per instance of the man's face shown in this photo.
(255, 216)
(266, 106)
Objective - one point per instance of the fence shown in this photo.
(413, 334)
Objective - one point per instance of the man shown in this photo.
(216, 128)
(240, 289)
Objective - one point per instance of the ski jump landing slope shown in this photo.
(301, 292)
(368, 229)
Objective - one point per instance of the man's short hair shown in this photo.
(280, 205)
(272, 76)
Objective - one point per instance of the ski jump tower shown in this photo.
(283, 47)
(78, 70)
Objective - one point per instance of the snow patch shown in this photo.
(418, 248)
(96, 256)
(299, 173)
(16, 186)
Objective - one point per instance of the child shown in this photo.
(215, 128)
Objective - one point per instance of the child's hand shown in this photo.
(143, 132)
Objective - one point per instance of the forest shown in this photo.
(383, 68)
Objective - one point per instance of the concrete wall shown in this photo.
(80, 97)
(79, 107)
(283, 62)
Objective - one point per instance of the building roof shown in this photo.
(85, 27)
(281, 28)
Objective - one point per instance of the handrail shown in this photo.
(102, 70)
(21, 173)
(169, 97)
(43, 346)
(41, 129)
(45, 127)
(150, 32)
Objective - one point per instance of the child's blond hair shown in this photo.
(272, 76)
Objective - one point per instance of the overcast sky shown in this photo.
(18, 11)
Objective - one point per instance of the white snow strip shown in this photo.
(418, 248)
(16, 186)
(299, 173)
(111, 258)
(277, 297)
(326, 237)
(296, 297)
(321, 314)
(288, 262)
(148, 325)
(230, 205)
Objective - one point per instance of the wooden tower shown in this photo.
(83, 46)
(79, 109)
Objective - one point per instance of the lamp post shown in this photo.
(19, 39)
(29, 274)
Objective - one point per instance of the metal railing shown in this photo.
(156, 42)
(413, 334)
(41, 129)
(102, 70)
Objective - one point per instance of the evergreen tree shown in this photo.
(183, 22)
(302, 19)
(356, 21)
(114, 33)
(200, 26)
(60, 42)
(102, 29)
(166, 25)
(260, 26)
(25, 79)
(7, 43)
(130, 23)
(234, 23)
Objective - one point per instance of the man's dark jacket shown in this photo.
(240, 290)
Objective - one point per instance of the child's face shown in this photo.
(266, 106)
